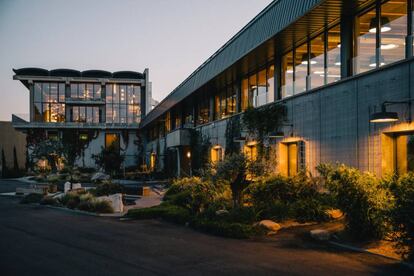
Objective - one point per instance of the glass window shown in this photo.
(96, 116)
(301, 68)
(130, 94)
(97, 88)
(82, 92)
(244, 94)
(217, 109)
(82, 114)
(89, 114)
(115, 113)
(252, 90)
(74, 90)
(62, 92)
(271, 84)
(109, 113)
(231, 101)
(287, 75)
(112, 140)
(334, 55)
(115, 93)
(37, 112)
(393, 30)
(45, 92)
(261, 98)
(137, 94)
(108, 91)
(57, 113)
(89, 91)
(365, 44)
(168, 122)
(54, 92)
(123, 97)
(37, 92)
(46, 112)
(317, 61)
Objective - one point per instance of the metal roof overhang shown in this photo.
(276, 28)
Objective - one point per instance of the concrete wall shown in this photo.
(10, 139)
(333, 121)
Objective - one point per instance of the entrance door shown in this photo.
(292, 159)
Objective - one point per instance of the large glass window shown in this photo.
(334, 55)
(394, 21)
(48, 105)
(123, 103)
(252, 90)
(244, 94)
(317, 61)
(85, 114)
(271, 84)
(365, 44)
(203, 110)
(261, 98)
(287, 75)
(301, 68)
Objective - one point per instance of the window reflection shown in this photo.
(244, 94)
(287, 75)
(252, 90)
(365, 43)
(334, 55)
(46, 98)
(317, 61)
(271, 84)
(123, 103)
(301, 68)
(261, 98)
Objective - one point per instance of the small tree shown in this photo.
(233, 169)
(110, 159)
(50, 150)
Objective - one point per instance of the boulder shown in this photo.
(334, 214)
(320, 234)
(270, 225)
(67, 187)
(221, 212)
(115, 200)
(76, 186)
(99, 176)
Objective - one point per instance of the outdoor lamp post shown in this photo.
(189, 162)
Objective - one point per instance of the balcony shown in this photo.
(19, 123)
(179, 137)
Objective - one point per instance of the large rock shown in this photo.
(222, 212)
(320, 234)
(270, 225)
(67, 187)
(99, 176)
(115, 200)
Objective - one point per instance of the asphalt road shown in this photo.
(36, 240)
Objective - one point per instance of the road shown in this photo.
(36, 240)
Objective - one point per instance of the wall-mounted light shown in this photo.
(383, 116)
(385, 21)
(188, 154)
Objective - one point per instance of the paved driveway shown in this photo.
(36, 240)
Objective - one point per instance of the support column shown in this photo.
(347, 35)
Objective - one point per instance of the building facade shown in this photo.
(93, 109)
(342, 69)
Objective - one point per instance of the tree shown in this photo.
(110, 159)
(51, 150)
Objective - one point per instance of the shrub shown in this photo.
(70, 200)
(164, 211)
(103, 206)
(107, 188)
(362, 198)
(309, 209)
(48, 200)
(31, 198)
(226, 229)
(86, 205)
(403, 214)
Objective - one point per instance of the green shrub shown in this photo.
(86, 205)
(31, 198)
(309, 209)
(164, 211)
(102, 206)
(226, 229)
(48, 200)
(403, 214)
(362, 198)
(107, 188)
(70, 200)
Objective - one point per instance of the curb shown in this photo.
(80, 212)
(361, 250)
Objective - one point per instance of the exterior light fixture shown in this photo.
(373, 62)
(384, 116)
(305, 59)
(188, 154)
(385, 21)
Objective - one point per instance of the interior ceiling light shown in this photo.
(311, 57)
(388, 46)
(385, 21)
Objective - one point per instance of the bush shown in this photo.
(31, 198)
(103, 206)
(48, 200)
(362, 198)
(194, 193)
(107, 188)
(164, 211)
(309, 209)
(403, 214)
(70, 200)
(226, 229)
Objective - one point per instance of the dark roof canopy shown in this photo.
(32, 71)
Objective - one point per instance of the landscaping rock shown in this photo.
(99, 176)
(76, 186)
(334, 214)
(221, 212)
(270, 225)
(67, 187)
(115, 200)
(320, 234)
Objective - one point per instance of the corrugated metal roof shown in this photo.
(273, 19)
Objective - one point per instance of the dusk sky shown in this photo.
(171, 38)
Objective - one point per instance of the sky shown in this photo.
(170, 37)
